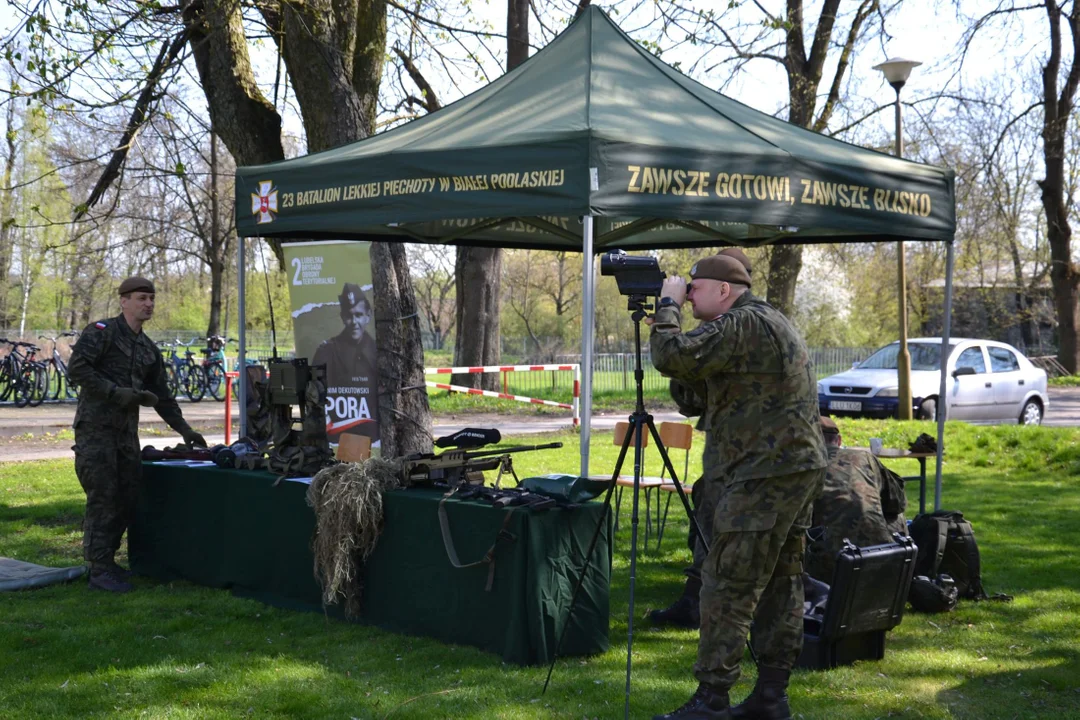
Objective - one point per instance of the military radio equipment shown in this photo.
(294, 383)
(462, 467)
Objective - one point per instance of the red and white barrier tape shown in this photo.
(496, 368)
(576, 369)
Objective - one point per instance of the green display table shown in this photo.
(234, 529)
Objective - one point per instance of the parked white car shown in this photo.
(987, 381)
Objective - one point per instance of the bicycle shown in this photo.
(24, 375)
(213, 365)
(57, 372)
(183, 374)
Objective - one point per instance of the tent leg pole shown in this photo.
(588, 304)
(943, 393)
(241, 365)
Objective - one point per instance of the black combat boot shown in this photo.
(108, 580)
(120, 571)
(769, 700)
(708, 703)
(684, 612)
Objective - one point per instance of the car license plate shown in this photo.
(845, 405)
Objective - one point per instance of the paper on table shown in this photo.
(305, 481)
(185, 463)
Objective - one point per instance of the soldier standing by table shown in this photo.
(117, 368)
(762, 409)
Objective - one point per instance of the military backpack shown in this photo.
(947, 547)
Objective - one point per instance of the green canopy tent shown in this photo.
(595, 144)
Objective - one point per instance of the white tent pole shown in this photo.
(241, 366)
(588, 306)
(942, 404)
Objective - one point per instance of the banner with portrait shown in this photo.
(333, 325)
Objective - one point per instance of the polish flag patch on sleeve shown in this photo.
(100, 325)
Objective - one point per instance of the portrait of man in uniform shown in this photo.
(351, 376)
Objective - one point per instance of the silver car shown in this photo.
(987, 381)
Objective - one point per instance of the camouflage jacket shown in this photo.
(761, 392)
(862, 501)
(110, 355)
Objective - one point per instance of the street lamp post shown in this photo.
(897, 71)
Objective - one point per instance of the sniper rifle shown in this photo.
(457, 467)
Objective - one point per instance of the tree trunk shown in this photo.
(7, 198)
(479, 270)
(404, 414)
(217, 273)
(1057, 112)
(477, 273)
(217, 266)
(785, 263)
(334, 55)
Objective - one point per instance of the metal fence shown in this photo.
(614, 372)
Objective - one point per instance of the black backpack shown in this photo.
(947, 547)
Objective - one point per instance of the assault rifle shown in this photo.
(456, 467)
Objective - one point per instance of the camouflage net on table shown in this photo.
(347, 499)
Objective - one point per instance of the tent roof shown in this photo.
(594, 124)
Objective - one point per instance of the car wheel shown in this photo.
(1031, 414)
(928, 409)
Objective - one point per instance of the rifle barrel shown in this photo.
(513, 449)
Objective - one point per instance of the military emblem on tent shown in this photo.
(264, 203)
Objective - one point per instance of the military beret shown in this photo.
(721, 267)
(136, 284)
(828, 426)
(739, 255)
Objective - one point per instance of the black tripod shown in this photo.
(639, 421)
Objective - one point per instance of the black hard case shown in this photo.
(866, 598)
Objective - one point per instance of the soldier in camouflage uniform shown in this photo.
(863, 501)
(117, 369)
(763, 414)
(690, 399)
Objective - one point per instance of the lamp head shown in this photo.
(897, 70)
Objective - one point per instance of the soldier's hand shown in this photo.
(674, 287)
(193, 438)
(147, 398)
(125, 397)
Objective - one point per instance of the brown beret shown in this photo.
(721, 267)
(136, 284)
(828, 426)
(739, 255)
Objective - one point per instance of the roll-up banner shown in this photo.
(333, 323)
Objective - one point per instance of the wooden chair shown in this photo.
(353, 448)
(624, 480)
(679, 436)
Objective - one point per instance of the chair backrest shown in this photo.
(677, 435)
(353, 448)
(621, 428)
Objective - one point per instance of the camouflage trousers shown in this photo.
(109, 465)
(752, 573)
(705, 494)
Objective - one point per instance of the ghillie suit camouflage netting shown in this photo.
(347, 500)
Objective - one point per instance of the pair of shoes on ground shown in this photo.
(768, 701)
(111, 578)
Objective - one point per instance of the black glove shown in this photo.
(193, 438)
(125, 397)
(147, 398)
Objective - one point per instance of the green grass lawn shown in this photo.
(181, 651)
